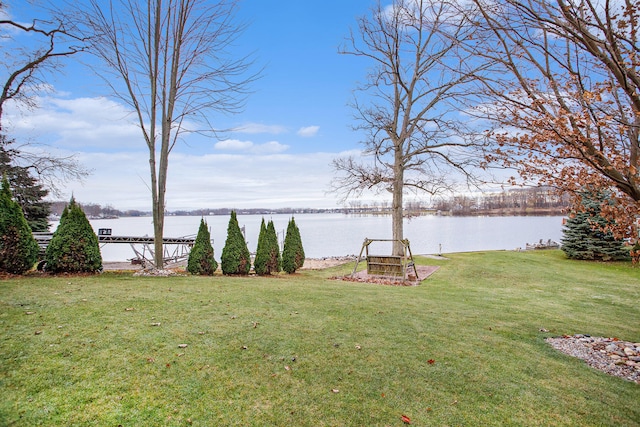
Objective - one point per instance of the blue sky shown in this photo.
(295, 122)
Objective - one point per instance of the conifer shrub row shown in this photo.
(18, 249)
(236, 258)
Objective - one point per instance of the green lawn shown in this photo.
(304, 350)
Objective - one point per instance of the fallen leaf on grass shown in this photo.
(405, 419)
(37, 332)
(287, 368)
(431, 361)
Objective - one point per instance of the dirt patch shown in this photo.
(424, 271)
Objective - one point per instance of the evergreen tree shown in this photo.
(26, 190)
(201, 259)
(293, 252)
(236, 258)
(18, 249)
(275, 259)
(74, 246)
(584, 232)
(262, 252)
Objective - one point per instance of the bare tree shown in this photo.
(27, 67)
(566, 105)
(409, 106)
(26, 70)
(169, 60)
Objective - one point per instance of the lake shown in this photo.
(330, 234)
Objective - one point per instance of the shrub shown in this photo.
(262, 252)
(18, 249)
(275, 259)
(74, 246)
(585, 236)
(236, 258)
(293, 252)
(201, 259)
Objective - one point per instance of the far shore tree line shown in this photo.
(524, 201)
(453, 94)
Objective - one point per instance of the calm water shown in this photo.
(326, 235)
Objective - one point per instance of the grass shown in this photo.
(304, 350)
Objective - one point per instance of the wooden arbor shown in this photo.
(387, 265)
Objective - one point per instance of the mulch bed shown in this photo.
(424, 271)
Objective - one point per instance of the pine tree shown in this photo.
(74, 246)
(293, 252)
(262, 252)
(275, 259)
(18, 248)
(201, 259)
(27, 192)
(585, 237)
(236, 258)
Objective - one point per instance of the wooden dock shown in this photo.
(175, 248)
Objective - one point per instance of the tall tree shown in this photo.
(169, 60)
(28, 193)
(409, 106)
(565, 102)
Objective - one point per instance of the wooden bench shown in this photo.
(385, 265)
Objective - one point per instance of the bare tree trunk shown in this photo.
(397, 217)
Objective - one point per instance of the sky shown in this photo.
(295, 122)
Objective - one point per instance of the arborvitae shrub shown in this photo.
(18, 249)
(293, 252)
(274, 264)
(262, 252)
(74, 246)
(584, 236)
(201, 259)
(235, 258)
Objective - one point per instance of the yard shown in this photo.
(466, 347)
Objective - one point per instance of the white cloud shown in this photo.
(270, 147)
(233, 145)
(79, 122)
(257, 128)
(308, 131)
